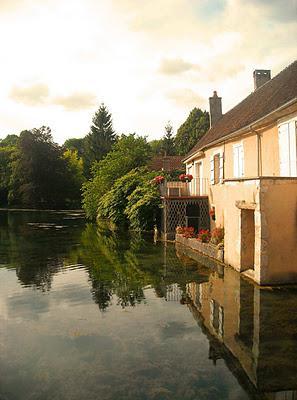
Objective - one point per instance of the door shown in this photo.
(198, 179)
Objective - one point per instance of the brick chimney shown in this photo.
(215, 108)
(261, 76)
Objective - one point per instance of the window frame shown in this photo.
(238, 168)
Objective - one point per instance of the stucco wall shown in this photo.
(270, 152)
(279, 230)
(224, 198)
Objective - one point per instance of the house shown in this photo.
(166, 163)
(246, 165)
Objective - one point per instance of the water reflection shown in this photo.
(35, 244)
(253, 330)
(90, 313)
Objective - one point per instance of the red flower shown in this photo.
(158, 179)
(185, 177)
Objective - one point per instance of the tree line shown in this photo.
(35, 172)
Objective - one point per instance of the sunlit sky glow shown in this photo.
(148, 61)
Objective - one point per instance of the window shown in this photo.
(288, 148)
(238, 160)
(217, 168)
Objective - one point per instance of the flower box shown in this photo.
(207, 249)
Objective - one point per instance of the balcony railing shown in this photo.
(197, 187)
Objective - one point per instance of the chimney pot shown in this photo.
(261, 76)
(215, 108)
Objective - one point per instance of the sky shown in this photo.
(149, 61)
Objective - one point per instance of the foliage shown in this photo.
(217, 235)
(113, 204)
(156, 147)
(41, 176)
(168, 146)
(188, 134)
(5, 172)
(9, 141)
(204, 235)
(128, 153)
(100, 139)
(143, 208)
(75, 172)
(75, 144)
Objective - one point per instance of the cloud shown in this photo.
(33, 95)
(76, 101)
(282, 11)
(186, 98)
(175, 66)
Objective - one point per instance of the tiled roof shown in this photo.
(266, 99)
(166, 163)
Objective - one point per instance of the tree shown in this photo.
(75, 144)
(75, 171)
(5, 172)
(128, 153)
(168, 141)
(188, 134)
(100, 139)
(10, 140)
(41, 176)
(156, 147)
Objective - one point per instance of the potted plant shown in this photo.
(186, 177)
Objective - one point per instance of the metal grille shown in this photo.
(175, 213)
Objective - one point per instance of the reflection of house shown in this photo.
(249, 159)
(250, 328)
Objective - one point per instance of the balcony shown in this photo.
(196, 188)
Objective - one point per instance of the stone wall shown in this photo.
(207, 249)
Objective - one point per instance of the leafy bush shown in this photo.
(113, 204)
(143, 207)
(128, 153)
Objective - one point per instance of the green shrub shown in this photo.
(143, 207)
(113, 204)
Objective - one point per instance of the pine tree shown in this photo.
(100, 139)
(168, 140)
(188, 134)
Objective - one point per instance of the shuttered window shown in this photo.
(238, 160)
(288, 149)
(217, 168)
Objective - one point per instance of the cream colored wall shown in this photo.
(224, 198)
(270, 152)
(279, 230)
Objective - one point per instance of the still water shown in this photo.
(86, 313)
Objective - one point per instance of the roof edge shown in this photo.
(239, 131)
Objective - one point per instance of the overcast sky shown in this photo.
(149, 61)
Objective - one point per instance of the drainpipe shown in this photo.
(259, 151)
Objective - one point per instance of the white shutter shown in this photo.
(293, 148)
(235, 162)
(221, 175)
(212, 171)
(241, 160)
(284, 150)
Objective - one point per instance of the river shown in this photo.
(87, 313)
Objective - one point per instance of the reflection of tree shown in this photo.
(36, 244)
(122, 264)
